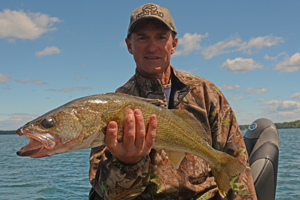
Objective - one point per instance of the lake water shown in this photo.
(65, 176)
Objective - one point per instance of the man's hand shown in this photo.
(136, 143)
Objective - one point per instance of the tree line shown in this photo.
(7, 132)
(294, 124)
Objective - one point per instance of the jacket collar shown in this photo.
(153, 88)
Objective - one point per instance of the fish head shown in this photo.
(51, 133)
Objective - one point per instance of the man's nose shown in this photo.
(152, 45)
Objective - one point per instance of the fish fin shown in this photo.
(191, 121)
(175, 157)
(91, 138)
(228, 167)
(156, 102)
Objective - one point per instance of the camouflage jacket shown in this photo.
(154, 177)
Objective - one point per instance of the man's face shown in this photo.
(151, 44)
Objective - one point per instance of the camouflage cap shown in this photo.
(153, 11)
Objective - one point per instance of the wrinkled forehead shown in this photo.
(151, 24)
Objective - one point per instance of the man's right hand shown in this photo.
(136, 143)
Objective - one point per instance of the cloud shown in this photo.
(256, 90)
(189, 43)
(4, 78)
(86, 88)
(48, 51)
(11, 40)
(260, 100)
(235, 98)
(282, 110)
(290, 64)
(241, 65)
(123, 44)
(233, 44)
(51, 90)
(73, 89)
(69, 89)
(275, 57)
(18, 24)
(229, 87)
(262, 41)
(284, 106)
(28, 80)
(15, 121)
(77, 78)
(219, 48)
(295, 96)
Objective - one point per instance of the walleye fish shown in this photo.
(81, 123)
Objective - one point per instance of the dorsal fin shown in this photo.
(191, 121)
(156, 102)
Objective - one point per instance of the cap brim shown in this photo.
(135, 23)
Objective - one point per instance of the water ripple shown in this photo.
(65, 176)
(61, 176)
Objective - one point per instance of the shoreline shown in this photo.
(242, 127)
(7, 132)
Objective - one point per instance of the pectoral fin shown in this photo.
(175, 157)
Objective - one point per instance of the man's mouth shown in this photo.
(151, 57)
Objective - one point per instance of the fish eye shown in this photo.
(48, 122)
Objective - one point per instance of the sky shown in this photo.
(52, 52)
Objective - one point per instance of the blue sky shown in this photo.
(52, 52)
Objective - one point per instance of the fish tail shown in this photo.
(227, 168)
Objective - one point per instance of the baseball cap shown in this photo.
(149, 11)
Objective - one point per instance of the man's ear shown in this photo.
(129, 46)
(174, 45)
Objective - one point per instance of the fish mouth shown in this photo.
(37, 143)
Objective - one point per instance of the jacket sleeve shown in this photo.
(227, 137)
(114, 180)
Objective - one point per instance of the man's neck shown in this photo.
(164, 77)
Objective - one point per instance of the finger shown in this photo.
(111, 135)
(129, 130)
(151, 133)
(140, 130)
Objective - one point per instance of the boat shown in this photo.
(262, 143)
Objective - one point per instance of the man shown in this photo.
(131, 169)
